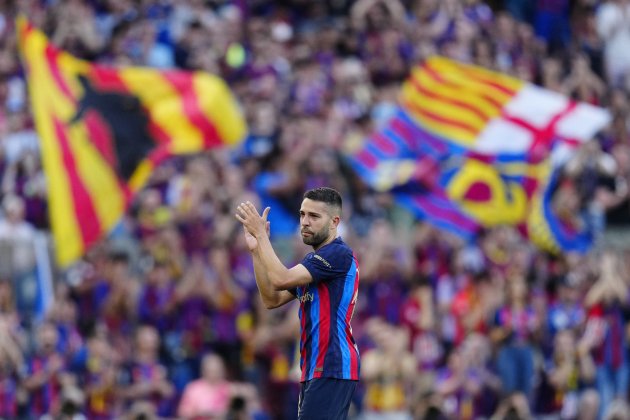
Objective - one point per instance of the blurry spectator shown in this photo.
(156, 301)
(614, 196)
(25, 178)
(75, 29)
(47, 374)
(17, 241)
(571, 374)
(515, 327)
(384, 274)
(63, 314)
(605, 328)
(484, 382)
(418, 316)
(567, 312)
(276, 349)
(613, 26)
(143, 377)
(471, 309)
(466, 387)
(11, 368)
(551, 21)
(119, 311)
(387, 371)
(96, 365)
(152, 214)
(215, 396)
(152, 52)
(582, 83)
(590, 173)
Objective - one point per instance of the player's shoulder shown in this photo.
(336, 251)
(337, 246)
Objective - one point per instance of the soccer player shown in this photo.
(326, 284)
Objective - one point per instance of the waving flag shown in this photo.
(103, 130)
(471, 148)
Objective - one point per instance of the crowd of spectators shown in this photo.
(163, 319)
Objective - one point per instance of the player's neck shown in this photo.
(326, 242)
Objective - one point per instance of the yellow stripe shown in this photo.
(219, 106)
(461, 71)
(99, 178)
(538, 229)
(164, 104)
(537, 226)
(465, 95)
(66, 230)
(455, 134)
(443, 109)
(140, 175)
(466, 83)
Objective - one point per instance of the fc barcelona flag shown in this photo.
(471, 148)
(103, 130)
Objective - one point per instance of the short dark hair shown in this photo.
(326, 195)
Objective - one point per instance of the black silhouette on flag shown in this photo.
(126, 120)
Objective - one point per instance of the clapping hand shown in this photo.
(253, 223)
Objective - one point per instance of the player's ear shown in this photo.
(336, 220)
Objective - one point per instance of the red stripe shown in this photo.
(52, 58)
(324, 328)
(385, 145)
(303, 341)
(109, 80)
(354, 357)
(158, 155)
(439, 79)
(470, 74)
(100, 136)
(416, 135)
(403, 131)
(450, 214)
(367, 159)
(439, 119)
(487, 159)
(183, 82)
(451, 101)
(84, 211)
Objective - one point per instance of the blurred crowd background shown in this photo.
(163, 319)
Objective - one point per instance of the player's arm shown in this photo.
(271, 297)
(272, 275)
(280, 277)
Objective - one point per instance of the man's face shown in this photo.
(316, 222)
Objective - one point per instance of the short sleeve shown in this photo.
(330, 262)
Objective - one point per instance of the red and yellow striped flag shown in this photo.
(103, 130)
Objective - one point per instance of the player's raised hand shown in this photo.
(254, 224)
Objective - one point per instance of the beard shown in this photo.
(316, 238)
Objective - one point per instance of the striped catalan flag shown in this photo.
(470, 148)
(103, 130)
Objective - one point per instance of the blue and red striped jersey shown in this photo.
(327, 347)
